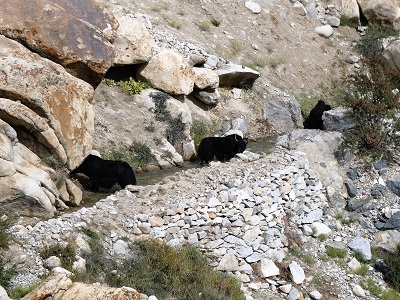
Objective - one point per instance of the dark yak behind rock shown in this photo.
(106, 173)
(314, 119)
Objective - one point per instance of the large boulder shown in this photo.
(44, 92)
(24, 186)
(170, 72)
(282, 112)
(321, 148)
(380, 11)
(75, 34)
(134, 44)
(59, 286)
(232, 75)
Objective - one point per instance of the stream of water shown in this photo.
(150, 178)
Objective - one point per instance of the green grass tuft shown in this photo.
(335, 253)
(65, 253)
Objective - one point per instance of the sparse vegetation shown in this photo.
(323, 237)
(20, 291)
(59, 173)
(335, 253)
(6, 221)
(198, 131)
(137, 154)
(349, 220)
(205, 25)
(372, 92)
(362, 271)
(130, 86)
(176, 128)
(237, 46)
(174, 23)
(157, 269)
(393, 262)
(258, 60)
(6, 273)
(300, 253)
(346, 21)
(150, 127)
(66, 253)
(215, 22)
(182, 274)
(160, 6)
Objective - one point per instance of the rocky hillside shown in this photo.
(275, 221)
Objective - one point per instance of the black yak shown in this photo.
(314, 119)
(223, 148)
(105, 173)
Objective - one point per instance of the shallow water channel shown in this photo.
(150, 178)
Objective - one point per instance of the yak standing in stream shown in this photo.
(223, 148)
(106, 173)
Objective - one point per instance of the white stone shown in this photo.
(324, 30)
(315, 295)
(358, 291)
(297, 272)
(268, 268)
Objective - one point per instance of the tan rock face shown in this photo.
(75, 34)
(47, 91)
(169, 72)
(205, 78)
(134, 44)
(58, 286)
(350, 9)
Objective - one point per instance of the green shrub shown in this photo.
(393, 261)
(370, 45)
(237, 46)
(198, 131)
(390, 294)
(109, 82)
(205, 25)
(137, 155)
(158, 269)
(133, 87)
(130, 86)
(300, 253)
(6, 273)
(181, 274)
(372, 93)
(98, 266)
(363, 270)
(142, 153)
(6, 221)
(215, 22)
(19, 291)
(66, 254)
(349, 220)
(257, 60)
(176, 128)
(346, 21)
(323, 237)
(335, 253)
(371, 286)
